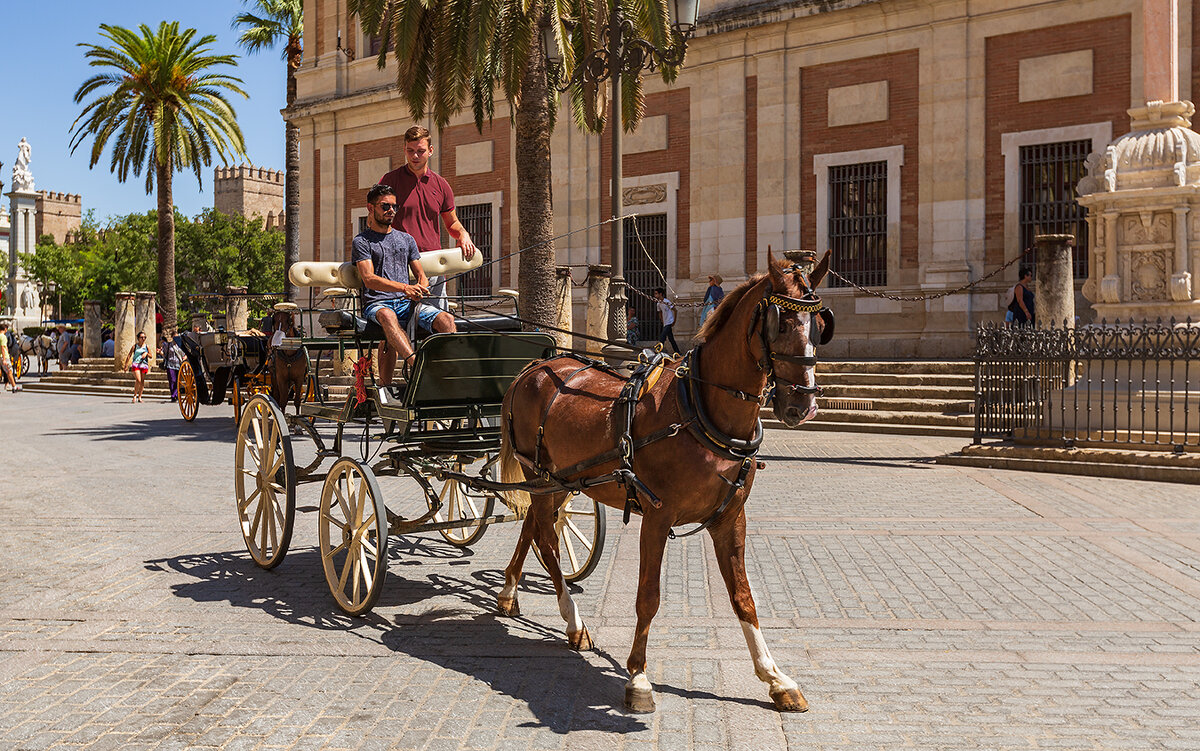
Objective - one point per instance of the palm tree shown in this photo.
(167, 111)
(450, 50)
(273, 21)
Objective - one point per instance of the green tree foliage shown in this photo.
(213, 251)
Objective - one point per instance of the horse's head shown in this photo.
(791, 320)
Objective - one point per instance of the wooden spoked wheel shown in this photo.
(237, 399)
(189, 394)
(461, 503)
(352, 536)
(580, 529)
(20, 365)
(264, 481)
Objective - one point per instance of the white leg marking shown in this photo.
(570, 613)
(640, 681)
(764, 666)
(509, 591)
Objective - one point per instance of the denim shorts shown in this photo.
(402, 307)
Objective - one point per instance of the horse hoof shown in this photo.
(581, 641)
(789, 700)
(508, 606)
(639, 700)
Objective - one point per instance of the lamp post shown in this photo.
(621, 53)
(52, 288)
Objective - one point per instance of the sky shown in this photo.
(41, 67)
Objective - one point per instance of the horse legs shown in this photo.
(506, 601)
(729, 542)
(547, 541)
(639, 694)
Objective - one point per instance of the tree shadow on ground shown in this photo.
(217, 429)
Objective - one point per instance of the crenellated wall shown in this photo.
(246, 190)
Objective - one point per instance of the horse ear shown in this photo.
(818, 274)
(774, 271)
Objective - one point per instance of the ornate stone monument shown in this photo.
(23, 300)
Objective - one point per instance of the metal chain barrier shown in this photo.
(638, 233)
(933, 296)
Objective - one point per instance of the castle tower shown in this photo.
(58, 214)
(250, 191)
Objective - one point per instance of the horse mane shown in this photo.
(725, 309)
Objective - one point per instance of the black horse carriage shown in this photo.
(441, 430)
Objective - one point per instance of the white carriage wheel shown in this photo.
(579, 526)
(263, 464)
(352, 534)
(461, 503)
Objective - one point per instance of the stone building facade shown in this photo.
(925, 141)
(250, 191)
(59, 215)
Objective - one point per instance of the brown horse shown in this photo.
(695, 434)
(289, 367)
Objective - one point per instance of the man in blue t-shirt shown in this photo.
(387, 259)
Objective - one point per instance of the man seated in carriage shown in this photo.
(388, 263)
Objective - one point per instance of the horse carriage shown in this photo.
(556, 437)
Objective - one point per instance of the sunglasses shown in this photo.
(387, 208)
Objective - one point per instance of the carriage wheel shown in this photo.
(462, 503)
(580, 529)
(352, 535)
(238, 400)
(263, 466)
(20, 365)
(189, 395)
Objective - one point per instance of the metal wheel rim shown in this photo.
(460, 502)
(579, 526)
(352, 532)
(189, 397)
(263, 462)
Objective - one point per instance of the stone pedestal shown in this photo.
(1054, 282)
(562, 304)
(144, 320)
(21, 294)
(124, 330)
(237, 309)
(91, 328)
(597, 306)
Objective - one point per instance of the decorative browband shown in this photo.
(812, 305)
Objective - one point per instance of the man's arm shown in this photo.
(459, 233)
(371, 280)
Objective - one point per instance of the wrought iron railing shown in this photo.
(1119, 384)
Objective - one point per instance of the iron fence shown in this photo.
(1104, 384)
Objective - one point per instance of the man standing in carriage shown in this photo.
(422, 198)
(388, 260)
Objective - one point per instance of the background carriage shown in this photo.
(441, 430)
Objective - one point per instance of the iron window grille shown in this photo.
(640, 274)
(858, 223)
(476, 219)
(1050, 173)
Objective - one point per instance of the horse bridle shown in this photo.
(766, 318)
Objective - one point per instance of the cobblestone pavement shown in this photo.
(917, 605)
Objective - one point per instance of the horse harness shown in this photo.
(696, 421)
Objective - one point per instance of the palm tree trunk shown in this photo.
(166, 245)
(291, 190)
(535, 208)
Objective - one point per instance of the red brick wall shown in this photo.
(676, 105)
(316, 174)
(356, 198)
(901, 71)
(751, 174)
(498, 132)
(1110, 40)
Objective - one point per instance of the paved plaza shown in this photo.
(917, 605)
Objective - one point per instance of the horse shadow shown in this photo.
(459, 630)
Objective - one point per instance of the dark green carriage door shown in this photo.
(472, 368)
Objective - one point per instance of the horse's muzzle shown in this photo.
(797, 407)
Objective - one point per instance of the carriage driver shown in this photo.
(387, 259)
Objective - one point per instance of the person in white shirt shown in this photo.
(666, 310)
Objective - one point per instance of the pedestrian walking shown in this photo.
(632, 334)
(666, 310)
(712, 296)
(6, 360)
(172, 359)
(1021, 299)
(138, 361)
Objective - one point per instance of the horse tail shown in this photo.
(510, 468)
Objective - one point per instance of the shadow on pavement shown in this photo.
(217, 429)
(562, 688)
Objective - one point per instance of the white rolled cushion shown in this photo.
(449, 261)
(333, 274)
(314, 274)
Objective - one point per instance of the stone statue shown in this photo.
(22, 177)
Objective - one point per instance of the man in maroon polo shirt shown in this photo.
(423, 196)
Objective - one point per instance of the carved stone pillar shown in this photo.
(237, 309)
(562, 304)
(1054, 285)
(144, 321)
(91, 328)
(124, 330)
(597, 306)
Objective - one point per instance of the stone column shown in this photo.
(562, 300)
(597, 306)
(144, 321)
(91, 328)
(237, 310)
(1054, 284)
(125, 329)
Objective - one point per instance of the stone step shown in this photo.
(95, 390)
(877, 427)
(1127, 464)
(895, 392)
(926, 367)
(894, 417)
(892, 404)
(948, 380)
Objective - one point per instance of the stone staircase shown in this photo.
(931, 397)
(94, 376)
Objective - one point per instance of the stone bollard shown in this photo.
(199, 322)
(597, 306)
(144, 321)
(124, 330)
(91, 328)
(1054, 282)
(237, 309)
(562, 302)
